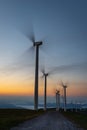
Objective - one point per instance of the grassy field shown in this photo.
(78, 118)
(11, 117)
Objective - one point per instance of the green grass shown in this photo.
(12, 117)
(78, 118)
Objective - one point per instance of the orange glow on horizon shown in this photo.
(16, 87)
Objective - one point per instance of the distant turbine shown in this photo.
(57, 100)
(64, 88)
(45, 88)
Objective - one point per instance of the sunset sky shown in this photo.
(62, 25)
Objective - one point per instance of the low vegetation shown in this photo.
(78, 118)
(12, 117)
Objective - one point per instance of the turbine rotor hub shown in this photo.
(38, 43)
(46, 74)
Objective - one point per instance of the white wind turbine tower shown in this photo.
(64, 88)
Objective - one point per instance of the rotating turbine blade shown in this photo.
(62, 84)
(16, 67)
(30, 51)
(28, 31)
(54, 90)
(68, 68)
(43, 69)
(42, 76)
(22, 63)
(45, 47)
(31, 37)
(49, 73)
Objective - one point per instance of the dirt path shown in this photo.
(48, 121)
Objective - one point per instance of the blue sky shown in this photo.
(61, 24)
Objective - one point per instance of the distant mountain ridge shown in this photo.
(31, 106)
(7, 105)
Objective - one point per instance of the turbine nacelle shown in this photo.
(45, 74)
(37, 43)
(57, 92)
(64, 86)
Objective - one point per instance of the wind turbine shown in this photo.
(36, 45)
(45, 75)
(64, 88)
(57, 100)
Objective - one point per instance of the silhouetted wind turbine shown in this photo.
(45, 75)
(36, 45)
(45, 87)
(64, 88)
(57, 100)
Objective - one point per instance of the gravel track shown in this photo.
(49, 121)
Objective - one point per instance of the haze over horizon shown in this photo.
(62, 25)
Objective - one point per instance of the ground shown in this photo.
(49, 121)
